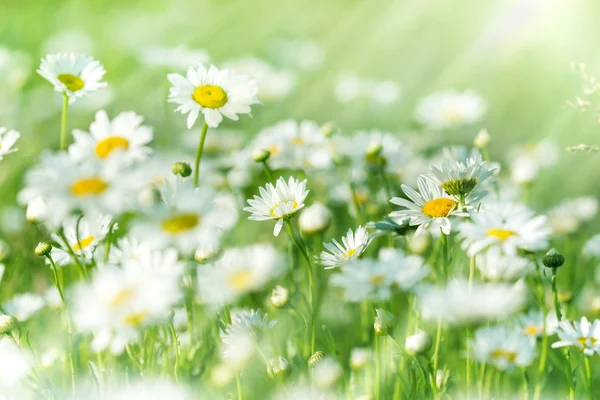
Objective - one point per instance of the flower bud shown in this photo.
(261, 155)
(359, 357)
(418, 344)
(553, 259)
(328, 129)
(7, 324)
(207, 253)
(315, 219)
(482, 139)
(43, 249)
(441, 378)
(182, 169)
(327, 373)
(315, 358)
(385, 322)
(36, 210)
(279, 296)
(279, 368)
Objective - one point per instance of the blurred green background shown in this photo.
(515, 53)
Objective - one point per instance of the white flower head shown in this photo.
(366, 280)
(124, 136)
(353, 246)
(8, 137)
(581, 334)
(239, 271)
(507, 226)
(430, 208)
(24, 305)
(450, 108)
(278, 202)
(315, 218)
(214, 93)
(533, 323)
(496, 266)
(15, 365)
(76, 75)
(503, 347)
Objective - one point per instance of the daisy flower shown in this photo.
(430, 208)
(124, 136)
(366, 280)
(496, 266)
(533, 323)
(239, 271)
(507, 226)
(213, 93)
(354, 245)
(462, 178)
(273, 83)
(188, 217)
(450, 108)
(76, 75)
(410, 270)
(24, 305)
(580, 334)
(503, 348)
(568, 216)
(591, 248)
(461, 303)
(15, 366)
(8, 137)
(280, 202)
(118, 302)
(83, 236)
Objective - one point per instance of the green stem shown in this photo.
(238, 384)
(63, 122)
(56, 280)
(445, 252)
(74, 257)
(268, 171)
(471, 271)
(588, 372)
(176, 350)
(199, 153)
(436, 355)
(377, 368)
(555, 295)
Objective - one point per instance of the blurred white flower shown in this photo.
(327, 373)
(354, 244)
(568, 216)
(8, 137)
(304, 54)
(351, 87)
(76, 75)
(496, 266)
(214, 93)
(273, 83)
(279, 202)
(23, 306)
(450, 108)
(71, 40)
(15, 365)
(592, 247)
(15, 67)
(360, 356)
(315, 218)
(533, 323)
(179, 57)
(503, 347)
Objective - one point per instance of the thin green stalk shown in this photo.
(108, 241)
(471, 271)
(588, 372)
(56, 280)
(63, 122)
(238, 384)
(268, 171)
(544, 351)
(525, 384)
(176, 350)
(555, 295)
(377, 368)
(74, 257)
(445, 264)
(436, 354)
(199, 153)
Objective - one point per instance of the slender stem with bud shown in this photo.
(199, 153)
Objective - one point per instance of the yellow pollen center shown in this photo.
(530, 330)
(136, 319)
(510, 356)
(583, 340)
(298, 141)
(121, 297)
(105, 147)
(350, 253)
(88, 186)
(72, 82)
(361, 197)
(273, 149)
(452, 115)
(439, 208)
(376, 279)
(501, 234)
(210, 96)
(287, 203)
(180, 223)
(83, 243)
(240, 280)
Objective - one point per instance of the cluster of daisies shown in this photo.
(443, 284)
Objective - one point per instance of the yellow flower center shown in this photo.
(376, 279)
(240, 280)
(273, 149)
(287, 203)
(510, 356)
(83, 243)
(349, 253)
(108, 145)
(72, 82)
(452, 115)
(180, 223)
(210, 96)
(88, 186)
(439, 208)
(501, 234)
(298, 141)
(361, 196)
(583, 340)
(136, 319)
(121, 297)
(530, 330)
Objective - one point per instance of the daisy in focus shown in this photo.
(503, 348)
(8, 138)
(507, 226)
(446, 109)
(280, 202)
(581, 334)
(353, 246)
(430, 208)
(124, 136)
(213, 93)
(239, 271)
(75, 75)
